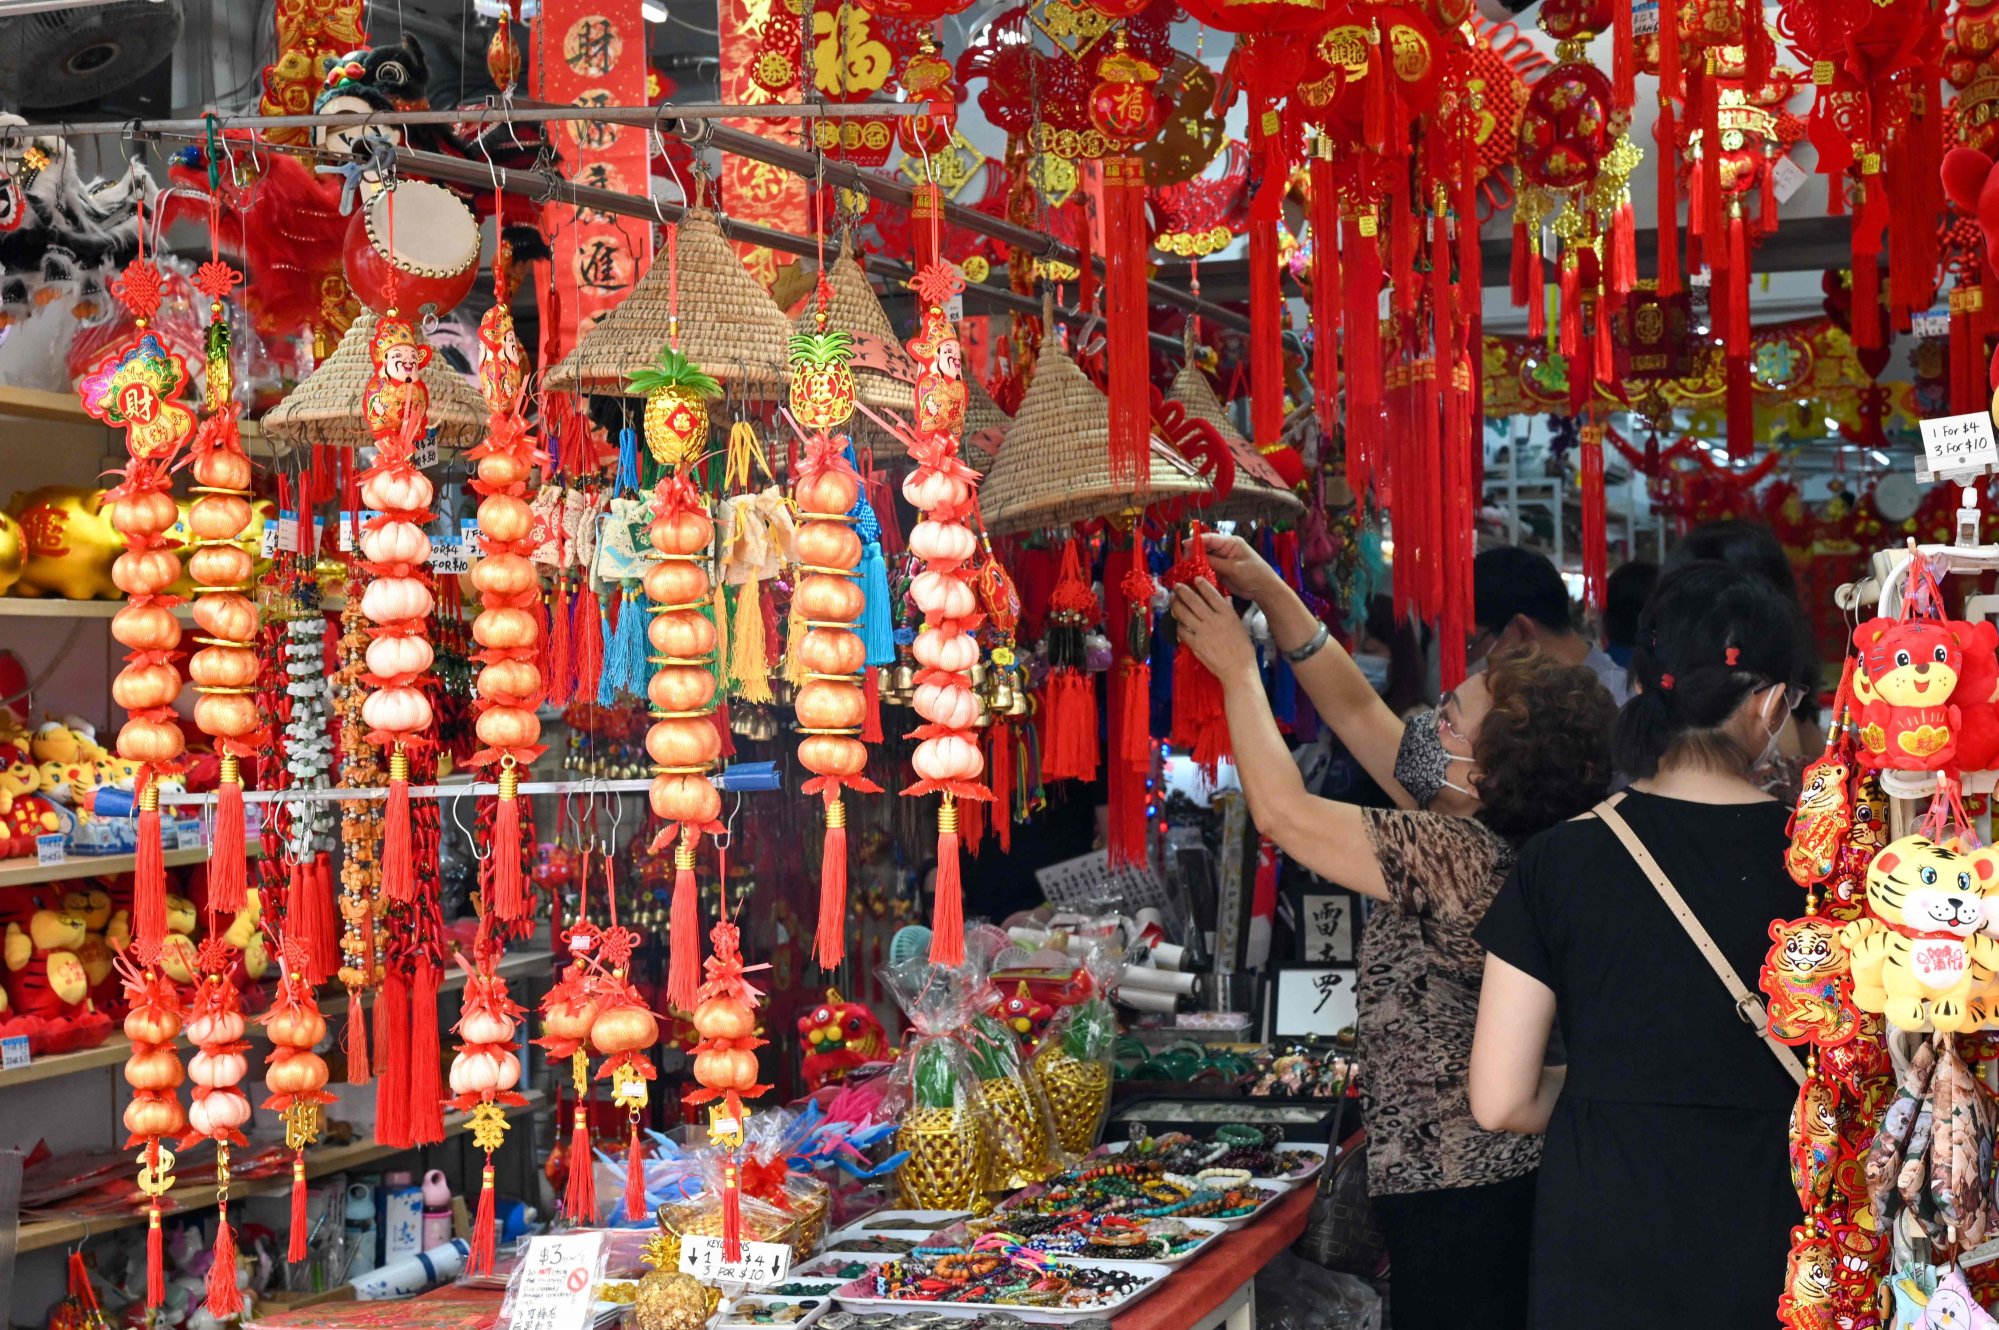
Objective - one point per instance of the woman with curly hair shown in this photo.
(1522, 746)
(1672, 1116)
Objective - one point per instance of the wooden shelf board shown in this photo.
(25, 872)
(318, 1163)
(67, 408)
(117, 1048)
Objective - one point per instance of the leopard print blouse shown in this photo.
(1420, 971)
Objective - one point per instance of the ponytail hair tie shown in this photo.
(1733, 656)
(1666, 682)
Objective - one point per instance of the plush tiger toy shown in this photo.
(1919, 954)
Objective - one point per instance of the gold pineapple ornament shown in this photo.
(941, 1130)
(1074, 1063)
(677, 392)
(823, 391)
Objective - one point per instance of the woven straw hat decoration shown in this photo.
(1259, 494)
(325, 407)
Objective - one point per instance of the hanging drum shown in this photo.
(430, 247)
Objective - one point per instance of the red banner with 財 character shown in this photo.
(592, 53)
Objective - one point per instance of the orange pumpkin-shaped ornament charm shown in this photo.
(296, 1076)
(623, 1030)
(725, 1064)
(568, 1009)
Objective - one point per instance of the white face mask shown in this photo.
(1770, 745)
(1375, 667)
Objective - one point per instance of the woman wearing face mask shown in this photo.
(1517, 749)
(1670, 1126)
(1343, 691)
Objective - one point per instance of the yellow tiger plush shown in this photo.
(1918, 955)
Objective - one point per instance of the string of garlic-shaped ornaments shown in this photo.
(296, 1076)
(154, 1116)
(137, 387)
(941, 486)
(830, 703)
(683, 741)
(219, 1109)
(396, 405)
(507, 628)
(484, 1072)
(225, 670)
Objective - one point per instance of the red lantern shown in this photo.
(1123, 105)
(1565, 128)
(1259, 16)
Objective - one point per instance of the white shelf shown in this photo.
(26, 872)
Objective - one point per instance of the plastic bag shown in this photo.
(1025, 1151)
(1297, 1295)
(769, 1142)
(942, 1117)
(701, 1215)
(1077, 1055)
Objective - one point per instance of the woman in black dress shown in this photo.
(1664, 1197)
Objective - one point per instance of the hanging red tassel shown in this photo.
(1128, 354)
(1521, 270)
(587, 633)
(1624, 60)
(1669, 201)
(871, 692)
(1569, 324)
(1537, 292)
(635, 1178)
(392, 1058)
(683, 967)
(356, 1048)
(149, 877)
(560, 676)
(1622, 272)
(426, 1090)
(226, 872)
(1707, 221)
(999, 773)
(1596, 547)
(156, 1265)
(947, 919)
(301, 1227)
(398, 856)
(479, 1261)
(317, 932)
(732, 1212)
(1266, 312)
(224, 1298)
(579, 1196)
(509, 898)
(1326, 288)
(830, 942)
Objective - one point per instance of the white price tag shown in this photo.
(267, 544)
(1960, 445)
(51, 848)
(14, 1052)
(187, 832)
(554, 1286)
(448, 556)
(763, 1262)
(425, 453)
(1787, 178)
(1930, 323)
(288, 532)
(1644, 20)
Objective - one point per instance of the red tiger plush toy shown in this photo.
(1977, 696)
(1912, 666)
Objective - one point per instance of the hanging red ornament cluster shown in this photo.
(137, 388)
(947, 758)
(154, 1116)
(508, 626)
(398, 600)
(225, 670)
(725, 1064)
(830, 704)
(1069, 701)
(484, 1072)
(296, 1076)
(219, 1110)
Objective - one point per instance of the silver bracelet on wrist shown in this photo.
(1311, 648)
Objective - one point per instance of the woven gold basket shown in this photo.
(325, 407)
(701, 1217)
(1019, 1157)
(729, 325)
(946, 1168)
(1259, 494)
(1055, 467)
(1078, 1094)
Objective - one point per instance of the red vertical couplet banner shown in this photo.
(754, 191)
(592, 53)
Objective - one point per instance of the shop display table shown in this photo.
(1217, 1287)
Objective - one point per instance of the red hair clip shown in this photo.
(1666, 682)
(1733, 656)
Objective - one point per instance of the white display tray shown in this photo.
(1152, 1273)
(1209, 1229)
(925, 1220)
(727, 1320)
(1271, 1192)
(1291, 1179)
